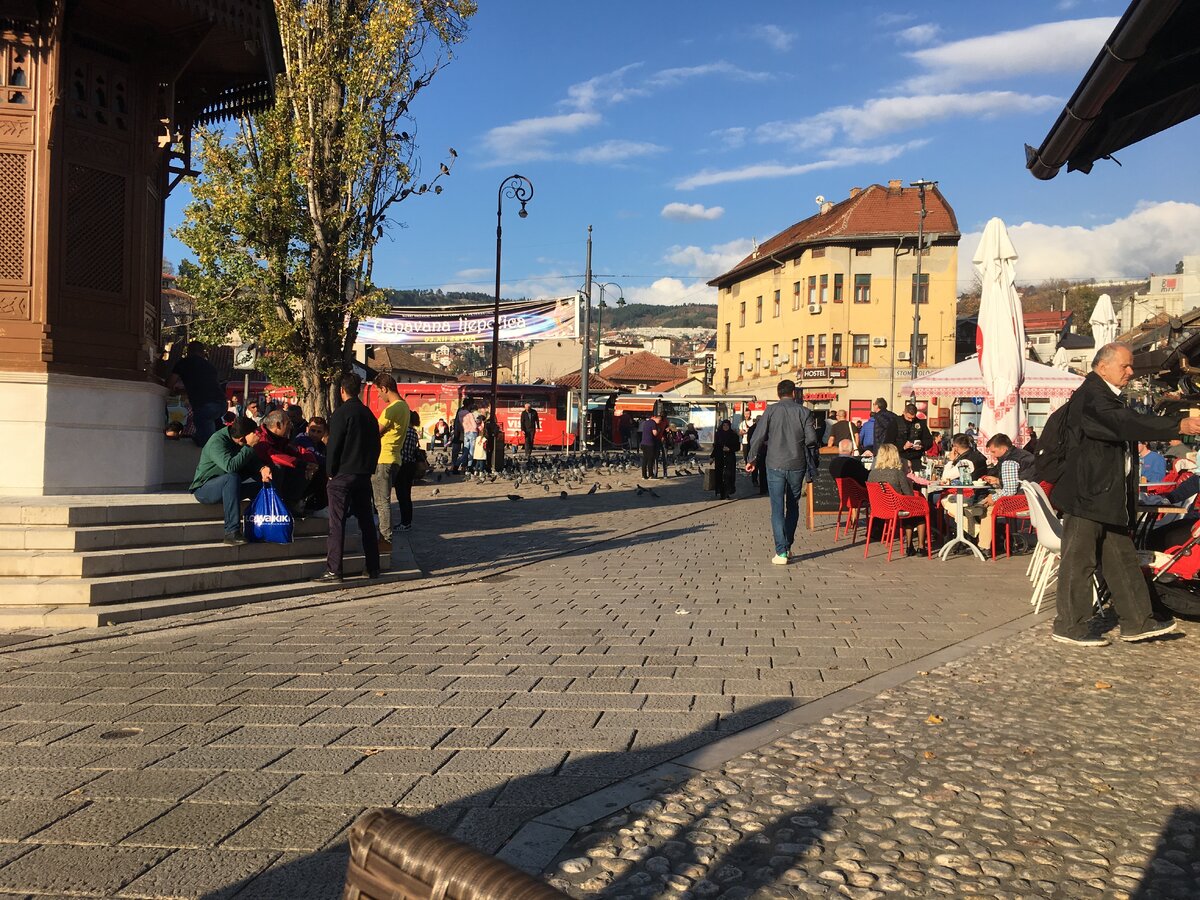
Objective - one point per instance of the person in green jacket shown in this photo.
(227, 459)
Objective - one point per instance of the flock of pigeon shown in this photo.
(564, 471)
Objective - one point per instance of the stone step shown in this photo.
(66, 591)
(66, 617)
(77, 512)
(175, 557)
(117, 537)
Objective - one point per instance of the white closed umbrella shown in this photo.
(1000, 336)
(1060, 360)
(1103, 321)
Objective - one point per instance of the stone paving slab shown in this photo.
(292, 719)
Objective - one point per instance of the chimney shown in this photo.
(854, 192)
(895, 186)
(826, 207)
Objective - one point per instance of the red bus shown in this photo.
(441, 401)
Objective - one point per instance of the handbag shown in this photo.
(267, 518)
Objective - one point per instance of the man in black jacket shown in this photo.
(351, 457)
(912, 437)
(530, 424)
(1096, 496)
(887, 427)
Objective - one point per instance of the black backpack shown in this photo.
(1053, 445)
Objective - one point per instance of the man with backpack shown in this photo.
(886, 427)
(1096, 493)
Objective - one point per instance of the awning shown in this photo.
(634, 404)
(1146, 79)
(965, 380)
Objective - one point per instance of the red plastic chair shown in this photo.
(880, 509)
(851, 499)
(907, 507)
(1008, 508)
(890, 507)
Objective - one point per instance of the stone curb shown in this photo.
(538, 841)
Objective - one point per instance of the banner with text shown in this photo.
(525, 320)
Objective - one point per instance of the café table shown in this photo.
(961, 490)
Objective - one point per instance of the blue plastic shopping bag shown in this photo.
(267, 518)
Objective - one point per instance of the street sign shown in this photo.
(245, 358)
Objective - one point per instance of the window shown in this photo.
(758, 309)
(862, 350)
(726, 387)
(775, 356)
(737, 288)
(795, 295)
(812, 288)
(777, 308)
(817, 252)
(728, 329)
(742, 318)
(795, 353)
(862, 288)
(924, 287)
(837, 288)
(821, 357)
(824, 288)
(862, 251)
(837, 350)
(757, 360)
(810, 350)
(922, 348)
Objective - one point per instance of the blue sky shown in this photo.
(681, 131)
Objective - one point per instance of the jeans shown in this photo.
(228, 490)
(468, 450)
(404, 483)
(206, 419)
(1084, 544)
(785, 487)
(383, 483)
(350, 494)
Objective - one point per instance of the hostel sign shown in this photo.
(825, 372)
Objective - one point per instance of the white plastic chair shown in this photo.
(1044, 565)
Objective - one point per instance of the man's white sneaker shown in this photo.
(1080, 642)
(780, 559)
(1157, 630)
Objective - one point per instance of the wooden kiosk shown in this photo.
(98, 99)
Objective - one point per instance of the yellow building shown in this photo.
(829, 302)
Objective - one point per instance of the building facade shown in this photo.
(546, 360)
(830, 303)
(1168, 295)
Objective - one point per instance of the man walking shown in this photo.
(886, 425)
(465, 430)
(649, 447)
(1096, 495)
(393, 429)
(530, 425)
(352, 455)
(787, 428)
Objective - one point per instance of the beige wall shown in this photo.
(547, 360)
(883, 373)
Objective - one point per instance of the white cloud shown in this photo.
(615, 151)
(664, 78)
(711, 262)
(529, 139)
(890, 20)
(773, 36)
(673, 292)
(604, 89)
(1068, 46)
(919, 34)
(731, 138)
(692, 212)
(836, 158)
(890, 114)
(472, 274)
(1150, 239)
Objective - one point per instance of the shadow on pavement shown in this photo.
(1172, 873)
(479, 820)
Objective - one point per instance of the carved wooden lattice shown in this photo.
(95, 230)
(14, 176)
(16, 76)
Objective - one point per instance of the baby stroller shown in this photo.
(1174, 576)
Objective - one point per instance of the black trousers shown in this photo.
(726, 473)
(528, 444)
(1086, 544)
(351, 494)
(404, 491)
(649, 461)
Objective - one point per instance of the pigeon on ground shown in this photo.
(515, 497)
(546, 488)
(595, 487)
(563, 495)
(436, 491)
(640, 490)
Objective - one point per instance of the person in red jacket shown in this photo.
(293, 470)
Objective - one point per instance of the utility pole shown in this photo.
(587, 355)
(921, 185)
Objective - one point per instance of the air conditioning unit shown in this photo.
(814, 308)
(904, 356)
(878, 342)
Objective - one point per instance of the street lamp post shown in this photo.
(600, 307)
(519, 188)
(922, 186)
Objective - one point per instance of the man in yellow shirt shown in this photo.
(393, 426)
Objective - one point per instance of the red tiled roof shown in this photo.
(395, 360)
(595, 382)
(669, 385)
(877, 211)
(1047, 320)
(642, 368)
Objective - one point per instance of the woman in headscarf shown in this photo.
(724, 454)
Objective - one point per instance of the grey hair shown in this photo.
(1107, 352)
(274, 418)
(845, 445)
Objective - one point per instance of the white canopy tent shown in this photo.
(964, 381)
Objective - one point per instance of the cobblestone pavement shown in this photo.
(213, 756)
(1023, 770)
